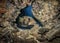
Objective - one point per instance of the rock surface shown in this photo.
(46, 11)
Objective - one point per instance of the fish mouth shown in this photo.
(25, 27)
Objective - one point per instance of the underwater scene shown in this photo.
(29, 21)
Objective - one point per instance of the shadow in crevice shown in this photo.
(27, 11)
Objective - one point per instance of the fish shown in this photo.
(27, 11)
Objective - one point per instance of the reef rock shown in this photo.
(46, 11)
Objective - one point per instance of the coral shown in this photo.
(45, 11)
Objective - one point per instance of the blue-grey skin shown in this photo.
(27, 11)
